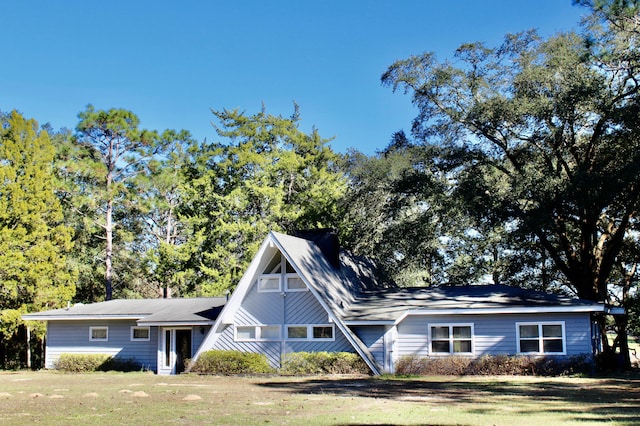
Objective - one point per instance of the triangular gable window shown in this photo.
(273, 277)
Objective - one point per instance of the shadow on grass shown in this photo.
(603, 400)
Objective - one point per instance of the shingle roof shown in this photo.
(392, 304)
(146, 311)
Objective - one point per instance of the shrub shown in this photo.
(231, 362)
(413, 365)
(121, 364)
(305, 363)
(79, 363)
(490, 365)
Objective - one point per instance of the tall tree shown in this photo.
(550, 137)
(34, 272)
(266, 175)
(399, 211)
(163, 195)
(118, 150)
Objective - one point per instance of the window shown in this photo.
(245, 333)
(297, 332)
(257, 332)
(541, 338)
(98, 334)
(140, 333)
(269, 332)
(451, 338)
(323, 332)
(269, 283)
(310, 332)
(295, 283)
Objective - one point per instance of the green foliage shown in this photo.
(231, 362)
(541, 144)
(34, 241)
(487, 365)
(114, 152)
(305, 363)
(82, 363)
(398, 211)
(267, 175)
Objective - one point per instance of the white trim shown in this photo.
(451, 339)
(310, 337)
(99, 327)
(133, 328)
(372, 322)
(173, 324)
(269, 277)
(170, 368)
(292, 290)
(38, 317)
(489, 311)
(541, 338)
(257, 332)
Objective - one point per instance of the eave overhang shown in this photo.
(37, 317)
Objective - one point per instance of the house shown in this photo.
(302, 293)
(159, 334)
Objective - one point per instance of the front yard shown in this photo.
(55, 398)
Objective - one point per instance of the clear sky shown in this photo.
(170, 62)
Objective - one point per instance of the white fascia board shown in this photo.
(372, 322)
(174, 323)
(36, 317)
(502, 311)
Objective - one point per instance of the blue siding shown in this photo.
(493, 334)
(73, 337)
(273, 349)
(278, 308)
(373, 338)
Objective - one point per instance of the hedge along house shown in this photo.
(303, 294)
(158, 334)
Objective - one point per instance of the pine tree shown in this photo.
(34, 272)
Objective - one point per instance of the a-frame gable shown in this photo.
(325, 283)
(312, 268)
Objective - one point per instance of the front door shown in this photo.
(176, 350)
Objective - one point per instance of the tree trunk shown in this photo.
(108, 268)
(28, 339)
(624, 361)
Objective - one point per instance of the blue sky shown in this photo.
(170, 62)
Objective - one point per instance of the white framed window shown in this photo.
(295, 283)
(541, 338)
(245, 333)
(99, 334)
(140, 334)
(269, 332)
(269, 283)
(448, 339)
(324, 332)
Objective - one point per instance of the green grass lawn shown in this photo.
(54, 398)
